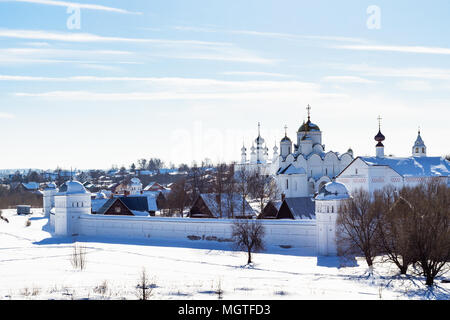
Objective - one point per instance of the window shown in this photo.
(326, 171)
(356, 171)
(287, 184)
(417, 150)
(423, 150)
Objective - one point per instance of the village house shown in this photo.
(213, 205)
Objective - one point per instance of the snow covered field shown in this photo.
(35, 265)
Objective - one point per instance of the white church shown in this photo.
(301, 168)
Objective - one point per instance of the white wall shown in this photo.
(296, 233)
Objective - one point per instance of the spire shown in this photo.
(285, 130)
(308, 108)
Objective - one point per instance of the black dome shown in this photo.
(309, 126)
(379, 137)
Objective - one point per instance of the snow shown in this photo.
(413, 166)
(35, 265)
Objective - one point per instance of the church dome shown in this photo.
(135, 181)
(333, 191)
(72, 187)
(259, 140)
(286, 139)
(308, 126)
(379, 137)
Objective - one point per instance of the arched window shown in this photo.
(356, 171)
(417, 150)
(287, 184)
(423, 150)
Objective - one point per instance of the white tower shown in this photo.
(275, 153)
(419, 149)
(135, 186)
(311, 130)
(285, 145)
(49, 198)
(243, 154)
(327, 203)
(71, 201)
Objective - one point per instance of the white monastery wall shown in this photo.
(295, 233)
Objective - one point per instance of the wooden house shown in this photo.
(212, 205)
(297, 208)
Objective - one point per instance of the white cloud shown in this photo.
(414, 85)
(189, 89)
(256, 73)
(89, 37)
(87, 6)
(347, 79)
(397, 72)
(404, 49)
(278, 35)
(4, 115)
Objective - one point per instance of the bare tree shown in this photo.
(248, 235)
(178, 197)
(262, 187)
(230, 190)
(78, 257)
(144, 288)
(431, 234)
(357, 227)
(395, 235)
(242, 186)
(219, 184)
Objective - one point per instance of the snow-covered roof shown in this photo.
(301, 207)
(31, 185)
(211, 202)
(291, 169)
(72, 187)
(97, 204)
(413, 166)
(333, 191)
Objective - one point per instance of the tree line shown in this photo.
(226, 183)
(409, 227)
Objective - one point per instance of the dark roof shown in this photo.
(300, 207)
(107, 205)
(136, 203)
(308, 126)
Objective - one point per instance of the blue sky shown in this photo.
(188, 80)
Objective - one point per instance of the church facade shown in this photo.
(302, 167)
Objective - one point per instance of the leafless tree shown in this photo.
(431, 233)
(144, 287)
(230, 191)
(219, 184)
(262, 187)
(395, 233)
(357, 227)
(248, 235)
(78, 257)
(178, 196)
(242, 186)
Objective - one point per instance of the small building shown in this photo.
(297, 208)
(28, 187)
(271, 209)
(115, 207)
(23, 209)
(154, 186)
(213, 205)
